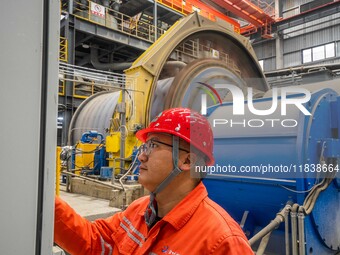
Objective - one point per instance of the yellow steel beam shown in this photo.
(58, 171)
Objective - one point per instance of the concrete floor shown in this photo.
(88, 207)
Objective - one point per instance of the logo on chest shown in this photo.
(166, 250)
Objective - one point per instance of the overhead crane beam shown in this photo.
(204, 10)
(214, 12)
(251, 13)
(245, 10)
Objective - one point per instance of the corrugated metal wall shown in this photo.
(266, 51)
(292, 59)
(296, 39)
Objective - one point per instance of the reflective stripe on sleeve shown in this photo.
(130, 235)
(133, 228)
(103, 245)
(110, 248)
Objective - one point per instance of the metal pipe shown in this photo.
(270, 227)
(93, 180)
(123, 134)
(263, 244)
(287, 230)
(301, 219)
(293, 214)
(70, 7)
(106, 66)
(155, 20)
(300, 69)
(175, 64)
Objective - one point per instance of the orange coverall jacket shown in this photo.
(196, 226)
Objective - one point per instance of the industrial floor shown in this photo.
(89, 207)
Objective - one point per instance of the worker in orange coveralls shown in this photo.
(178, 217)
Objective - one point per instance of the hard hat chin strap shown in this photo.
(150, 213)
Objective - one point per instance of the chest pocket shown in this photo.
(128, 238)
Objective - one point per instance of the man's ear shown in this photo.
(188, 161)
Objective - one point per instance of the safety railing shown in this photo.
(63, 52)
(266, 6)
(61, 91)
(115, 20)
(87, 82)
(64, 5)
(188, 48)
(185, 7)
(177, 5)
(84, 89)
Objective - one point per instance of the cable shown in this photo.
(295, 191)
(121, 178)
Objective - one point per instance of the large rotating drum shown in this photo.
(264, 162)
(94, 114)
(187, 61)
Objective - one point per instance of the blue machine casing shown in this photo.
(254, 199)
(99, 157)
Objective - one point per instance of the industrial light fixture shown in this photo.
(85, 46)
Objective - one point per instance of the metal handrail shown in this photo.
(115, 20)
(186, 8)
(87, 81)
(265, 6)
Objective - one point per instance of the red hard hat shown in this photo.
(186, 124)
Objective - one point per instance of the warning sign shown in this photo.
(97, 9)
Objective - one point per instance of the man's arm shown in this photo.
(77, 235)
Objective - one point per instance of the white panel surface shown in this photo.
(20, 107)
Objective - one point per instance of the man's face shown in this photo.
(156, 166)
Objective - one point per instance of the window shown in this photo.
(307, 55)
(318, 53)
(330, 50)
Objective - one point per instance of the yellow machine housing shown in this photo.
(85, 159)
